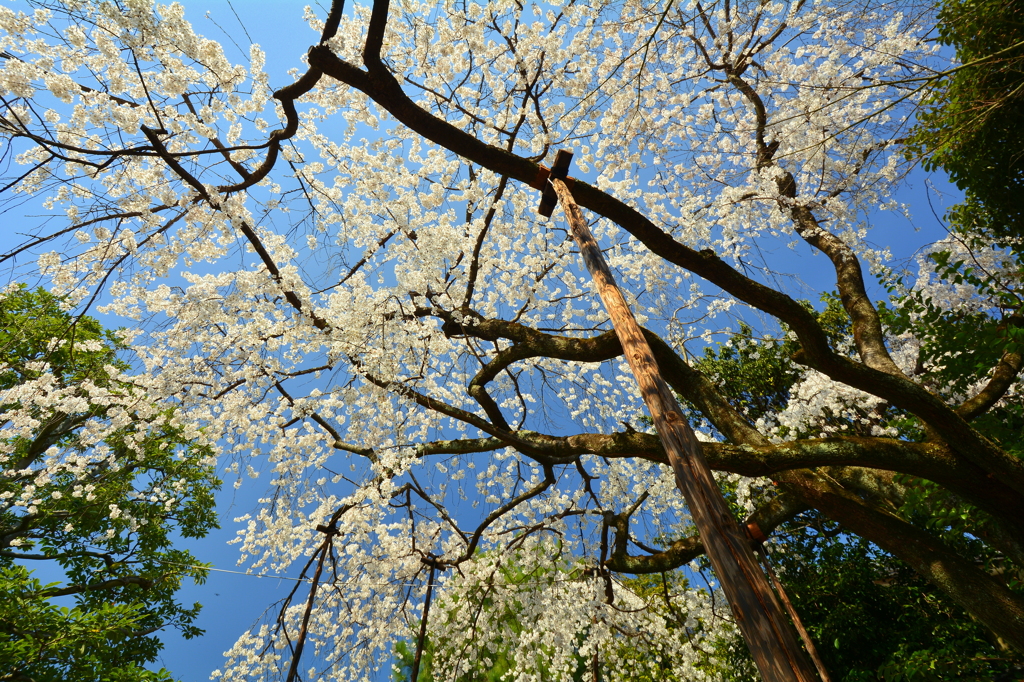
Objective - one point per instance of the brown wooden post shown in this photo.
(760, 618)
(805, 636)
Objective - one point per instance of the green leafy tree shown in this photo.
(758, 372)
(973, 124)
(96, 480)
(873, 618)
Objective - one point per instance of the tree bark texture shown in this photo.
(761, 620)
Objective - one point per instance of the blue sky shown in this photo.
(233, 601)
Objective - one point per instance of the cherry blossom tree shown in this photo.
(344, 283)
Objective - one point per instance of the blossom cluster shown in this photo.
(315, 311)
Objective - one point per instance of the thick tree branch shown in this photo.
(530, 343)
(1004, 374)
(983, 596)
(375, 35)
(932, 461)
(767, 518)
(333, 20)
(867, 326)
(386, 91)
(538, 450)
(50, 434)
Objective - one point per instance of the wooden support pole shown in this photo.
(761, 620)
(805, 636)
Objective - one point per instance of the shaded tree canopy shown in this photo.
(343, 284)
(971, 125)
